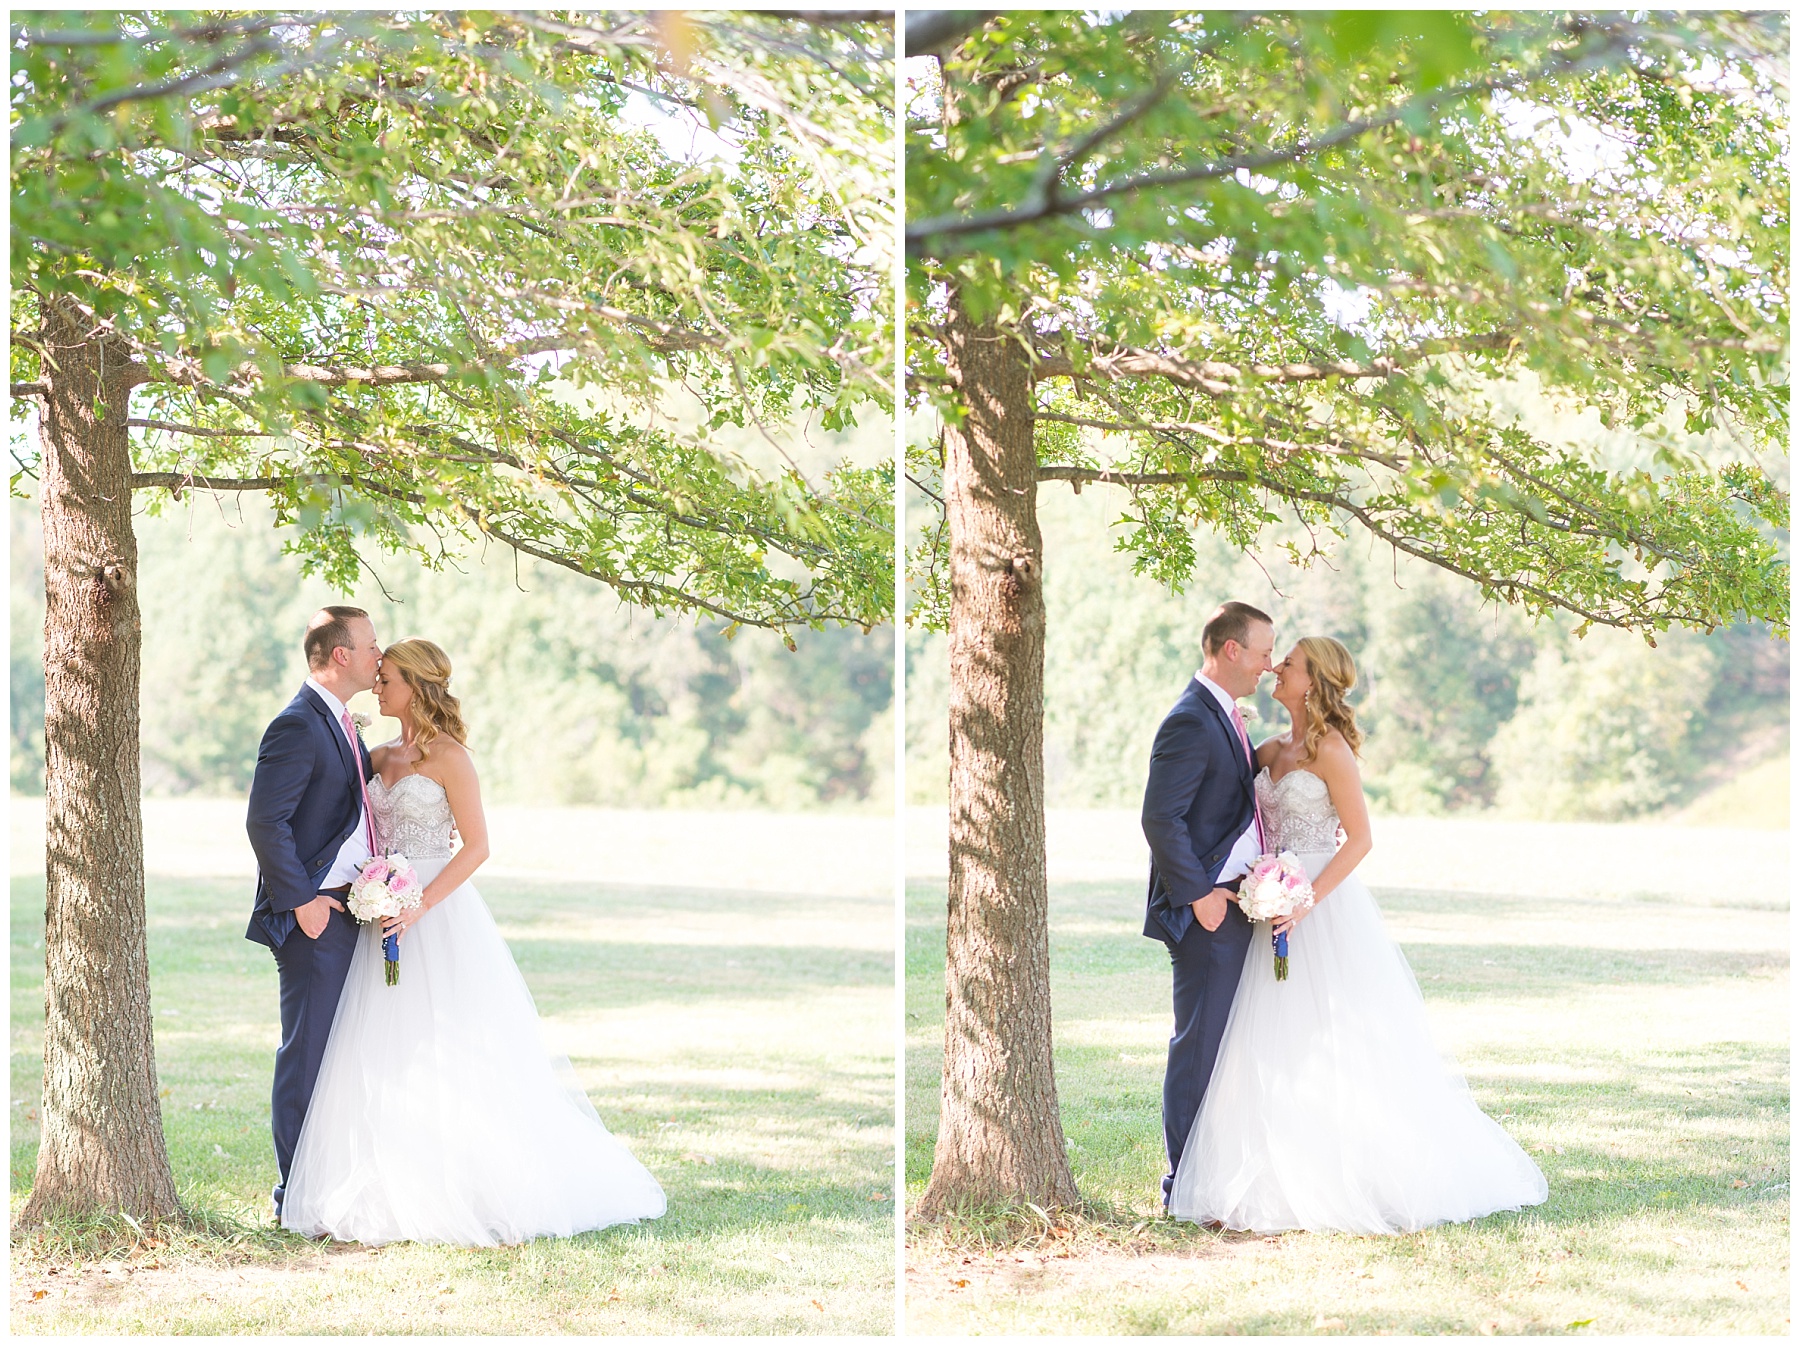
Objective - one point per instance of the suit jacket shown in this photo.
(1200, 797)
(305, 801)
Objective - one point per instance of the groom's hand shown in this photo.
(316, 914)
(1210, 910)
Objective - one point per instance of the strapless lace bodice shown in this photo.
(412, 817)
(1296, 812)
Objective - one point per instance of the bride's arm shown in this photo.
(1336, 766)
(463, 789)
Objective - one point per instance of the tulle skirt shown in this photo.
(1330, 1107)
(440, 1116)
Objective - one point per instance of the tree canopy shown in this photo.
(432, 278)
(1294, 265)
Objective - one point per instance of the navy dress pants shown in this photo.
(1207, 967)
(312, 978)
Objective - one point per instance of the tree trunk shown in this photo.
(102, 1140)
(1000, 1136)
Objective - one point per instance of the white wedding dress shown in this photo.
(440, 1116)
(1330, 1107)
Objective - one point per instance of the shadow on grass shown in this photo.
(791, 1134)
(1468, 970)
(1698, 1130)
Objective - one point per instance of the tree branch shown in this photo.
(187, 372)
(1043, 203)
(177, 482)
(1337, 449)
(1079, 476)
(831, 18)
(930, 32)
(652, 589)
(1218, 378)
(177, 428)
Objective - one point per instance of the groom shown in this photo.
(310, 828)
(1200, 818)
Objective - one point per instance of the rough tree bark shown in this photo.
(1000, 1135)
(102, 1140)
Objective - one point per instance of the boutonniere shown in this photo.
(1248, 710)
(360, 720)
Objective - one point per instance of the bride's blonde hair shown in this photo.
(1333, 674)
(426, 669)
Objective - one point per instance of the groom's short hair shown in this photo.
(1231, 622)
(329, 630)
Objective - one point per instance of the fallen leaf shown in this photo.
(959, 1283)
(879, 1196)
(1739, 1182)
(1579, 1322)
(1679, 1241)
(785, 1257)
(613, 1297)
(815, 1303)
(1740, 1285)
(39, 1294)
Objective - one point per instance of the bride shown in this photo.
(439, 1114)
(1329, 1107)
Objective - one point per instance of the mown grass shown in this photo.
(741, 1044)
(1637, 1048)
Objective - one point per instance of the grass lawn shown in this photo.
(1636, 1046)
(741, 1044)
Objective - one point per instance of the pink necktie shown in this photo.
(369, 817)
(1244, 738)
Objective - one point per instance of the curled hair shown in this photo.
(1333, 674)
(426, 669)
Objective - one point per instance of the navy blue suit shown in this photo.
(305, 801)
(1200, 797)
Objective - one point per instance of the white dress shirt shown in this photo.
(1245, 850)
(355, 849)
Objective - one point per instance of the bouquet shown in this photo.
(1276, 886)
(385, 886)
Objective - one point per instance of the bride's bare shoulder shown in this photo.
(1333, 757)
(450, 759)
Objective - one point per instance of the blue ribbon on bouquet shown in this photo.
(1281, 963)
(390, 949)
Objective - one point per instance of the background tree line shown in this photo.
(1467, 703)
(571, 696)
